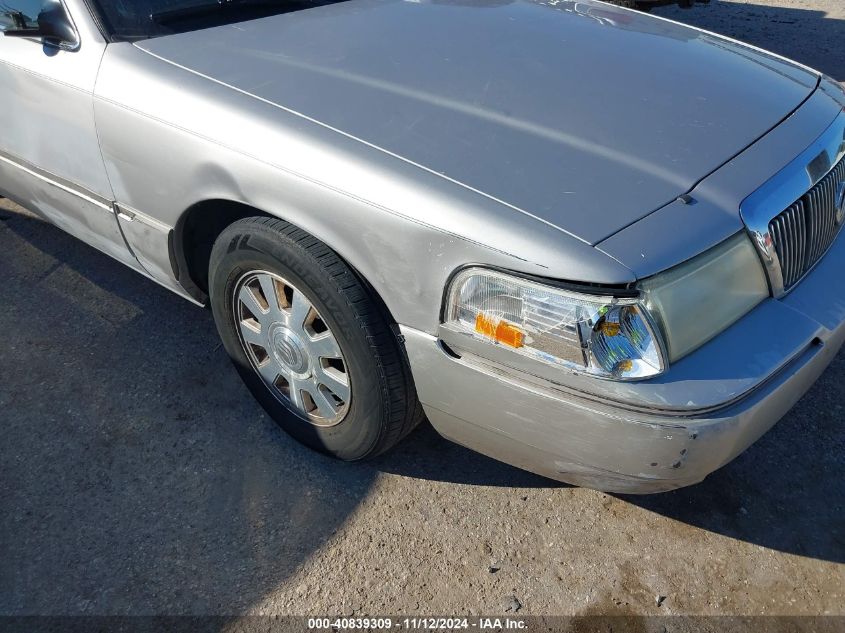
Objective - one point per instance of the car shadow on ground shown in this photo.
(140, 476)
(779, 29)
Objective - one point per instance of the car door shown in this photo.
(50, 160)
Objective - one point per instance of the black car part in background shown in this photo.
(646, 5)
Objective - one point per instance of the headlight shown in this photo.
(612, 337)
(602, 336)
(704, 296)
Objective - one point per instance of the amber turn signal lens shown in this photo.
(483, 325)
(501, 332)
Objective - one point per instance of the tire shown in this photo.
(379, 405)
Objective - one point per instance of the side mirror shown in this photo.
(54, 27)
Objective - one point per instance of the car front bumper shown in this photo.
(588, 440)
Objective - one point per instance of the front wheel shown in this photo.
(310, 340)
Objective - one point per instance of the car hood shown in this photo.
(582, 114)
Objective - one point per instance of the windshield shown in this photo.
(141, 19)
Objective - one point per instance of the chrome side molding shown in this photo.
(65, 185)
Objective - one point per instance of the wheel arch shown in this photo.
(202, 223)
(194, 235)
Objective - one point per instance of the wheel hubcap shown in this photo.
(289, 350)
(292, 348)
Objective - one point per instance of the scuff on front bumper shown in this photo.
(551, 430)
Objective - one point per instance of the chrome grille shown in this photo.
(805, 230)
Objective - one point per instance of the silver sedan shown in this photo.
(598, 245)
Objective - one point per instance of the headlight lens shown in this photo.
(704, 296)
(602, 336)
